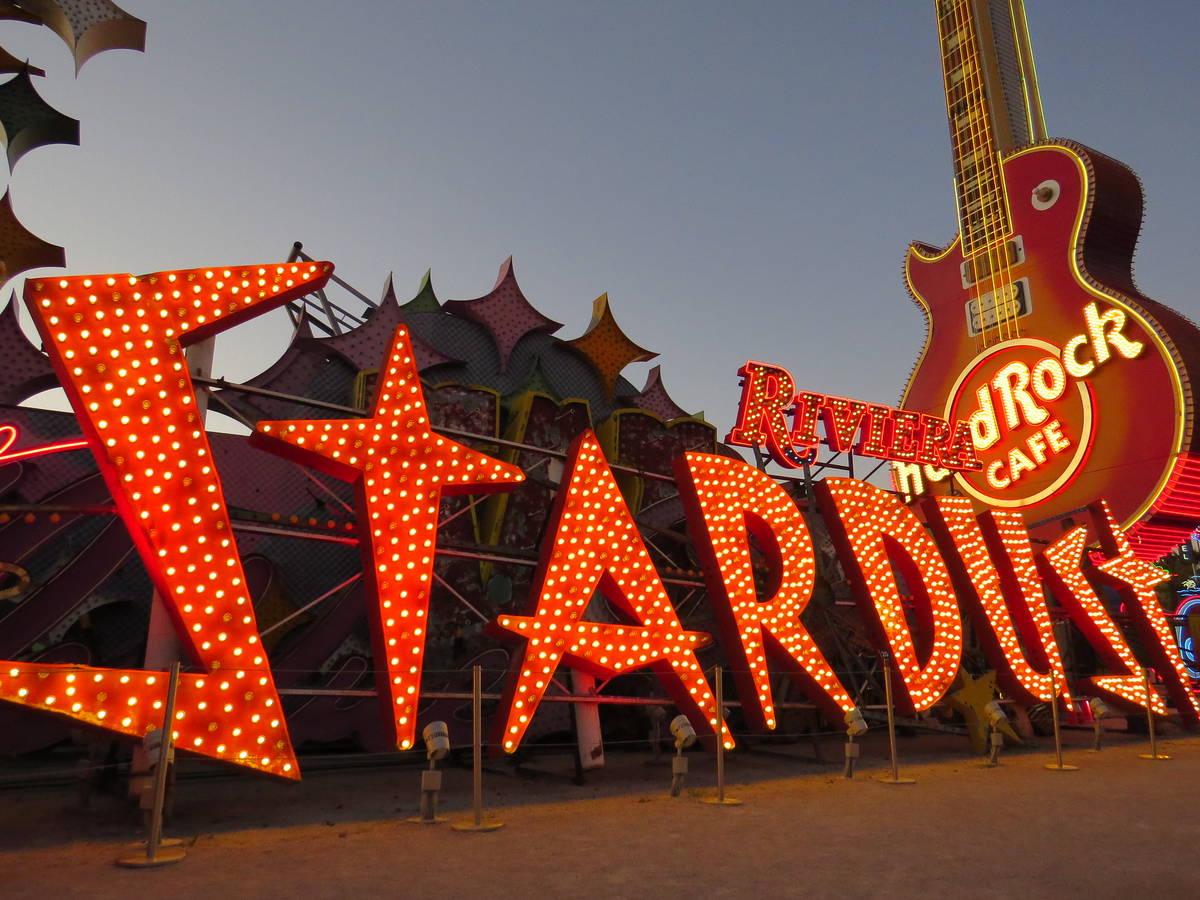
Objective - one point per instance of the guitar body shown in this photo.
(1060, 438)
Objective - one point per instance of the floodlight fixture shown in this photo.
(856, 726)
(437, 746)
(1100, 710)
(994, 713)
(685, 736)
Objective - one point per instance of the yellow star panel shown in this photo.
(607, 347)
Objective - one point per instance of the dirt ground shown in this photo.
(1117, 826)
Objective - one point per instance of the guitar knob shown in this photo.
(1045, 195)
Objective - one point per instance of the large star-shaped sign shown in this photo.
(401, 469)
(116, 343)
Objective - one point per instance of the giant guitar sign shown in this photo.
(1075, 385)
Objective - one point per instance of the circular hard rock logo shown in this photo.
(1031, 423)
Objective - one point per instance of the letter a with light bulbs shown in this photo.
(116, 343)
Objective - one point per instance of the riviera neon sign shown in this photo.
(116, 343)
(769, 395)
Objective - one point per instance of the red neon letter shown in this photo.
(596, 546)
(1061, 565)
(842, 419)
(871, 528)
(726, 501)
(116, 343)
(768, 392)
(1136, 580)
(994, 567)
(401, 469)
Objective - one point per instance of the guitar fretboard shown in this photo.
(982, 208)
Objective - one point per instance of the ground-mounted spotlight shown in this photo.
(1100, 710)
(437, 746)
(685, 736)
(856, 726)
(995, 718)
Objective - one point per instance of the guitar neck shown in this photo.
(992, 106)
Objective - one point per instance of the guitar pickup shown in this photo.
(977, 268)
(988, 310)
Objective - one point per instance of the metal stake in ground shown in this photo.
(852, 753)
(1057, 765)
(720, 799)
(1153, 754)
(894, 778)
(478, 825)
(157, 855)
(1099, 710)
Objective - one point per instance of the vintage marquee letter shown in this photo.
(597, 546)
(116, 343)
(401, 469)
(726, 501)
(992, 565)
(1136, 580)
(1062, 567)
(768, 392)
(874, 531)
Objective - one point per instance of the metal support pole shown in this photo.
(894, 778)
(478, 825)
(429, 798)
(1097, 735)
(679, 770)
(431, 786)
(719, 692)
(720, 734)
(1153, 754)
(852, 753)
(157, 855)
(996, 740)
(1057, 765)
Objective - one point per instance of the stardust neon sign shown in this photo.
(116, 343)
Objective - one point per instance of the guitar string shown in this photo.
(965, 41)
(993, 213)
(990, 187)
(1010, 308)
(964, 138)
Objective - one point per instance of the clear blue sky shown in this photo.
(741, 178)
